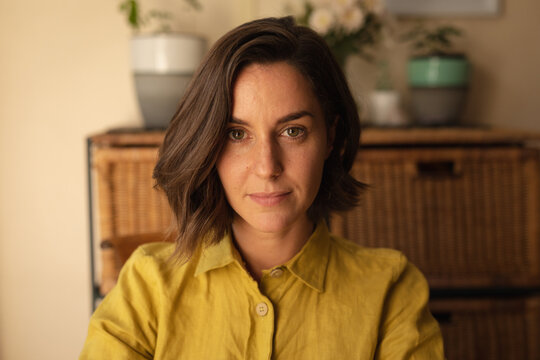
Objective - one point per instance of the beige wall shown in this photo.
(64, 75)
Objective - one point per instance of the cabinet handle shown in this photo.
(435, 169)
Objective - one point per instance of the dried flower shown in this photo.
(352, 19)
(321, 20)
(348, 26)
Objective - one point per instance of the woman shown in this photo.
(255, 159)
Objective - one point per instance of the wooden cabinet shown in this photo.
(462, 204)
(464, 208)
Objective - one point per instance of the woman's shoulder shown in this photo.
(368, 258)
(159, 251)
(356, 250)
(156, 260)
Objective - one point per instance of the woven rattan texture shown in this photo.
(127, 201)
(465, 216)
(490, 328)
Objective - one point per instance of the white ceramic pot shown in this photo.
(384, 108)
(163, 65)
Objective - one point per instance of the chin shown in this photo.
(271, 223)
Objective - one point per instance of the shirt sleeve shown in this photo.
(408, 330)
(124, 326)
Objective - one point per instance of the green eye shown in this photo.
(236, 134)
(294, 132)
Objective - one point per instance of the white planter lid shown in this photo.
(166, 53)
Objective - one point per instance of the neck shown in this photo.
(265, 250)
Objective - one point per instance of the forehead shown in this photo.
(272, 87)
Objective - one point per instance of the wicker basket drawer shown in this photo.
(489, 328)
(127, 201)
(130, 211)
(468, 217)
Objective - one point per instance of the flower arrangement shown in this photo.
(348, 26)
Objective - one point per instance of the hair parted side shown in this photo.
(186, 170)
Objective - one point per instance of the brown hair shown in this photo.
(196, 135)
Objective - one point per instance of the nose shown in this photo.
(267, 159)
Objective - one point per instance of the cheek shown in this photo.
(309, 167)
(229, 170)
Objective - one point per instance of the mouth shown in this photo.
(269, 199)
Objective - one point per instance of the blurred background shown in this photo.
(65, 74)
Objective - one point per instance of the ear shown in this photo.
(330, 136)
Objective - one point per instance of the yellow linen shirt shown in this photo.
(333, 300)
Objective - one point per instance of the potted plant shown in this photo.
(162, 62)
(384, 100)
(438, 76)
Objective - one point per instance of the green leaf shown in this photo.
(134, 14)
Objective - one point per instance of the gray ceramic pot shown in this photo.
(439, 85)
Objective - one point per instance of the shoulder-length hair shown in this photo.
(186, 168)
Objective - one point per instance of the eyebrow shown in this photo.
(289, 117)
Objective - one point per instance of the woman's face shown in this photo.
(271, 166)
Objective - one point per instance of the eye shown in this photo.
(294, 132)
(236, 134)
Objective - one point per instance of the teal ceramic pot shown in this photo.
(439, 71)
(439, 86)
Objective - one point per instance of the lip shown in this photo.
(269, 199)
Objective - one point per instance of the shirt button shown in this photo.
(277, 272)
(261, 309)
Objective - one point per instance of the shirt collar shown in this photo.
(309, 264)
(218, 255)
